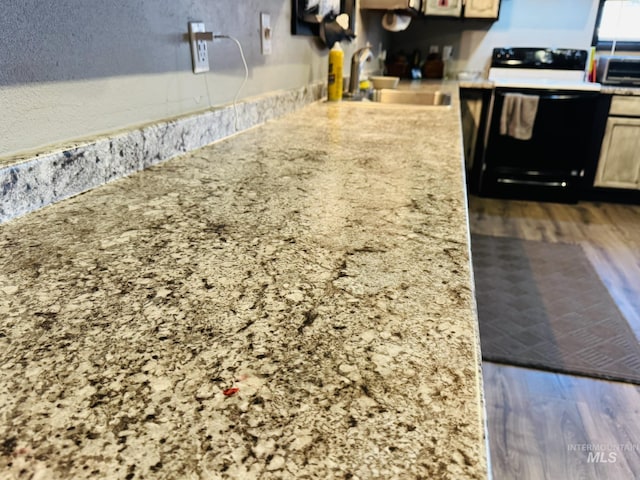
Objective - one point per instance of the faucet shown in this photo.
(357, 63)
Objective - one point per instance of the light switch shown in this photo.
(265, 33)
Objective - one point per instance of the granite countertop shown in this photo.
(620, 90)
(292, 302)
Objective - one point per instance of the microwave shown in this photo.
(618, 70)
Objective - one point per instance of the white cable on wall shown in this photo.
(246, 76)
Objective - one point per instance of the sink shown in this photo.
(412, 97)
(389, 96)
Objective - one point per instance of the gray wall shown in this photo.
(74, 68)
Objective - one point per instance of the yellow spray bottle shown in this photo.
(334, 84)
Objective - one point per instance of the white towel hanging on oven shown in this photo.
(518, 115)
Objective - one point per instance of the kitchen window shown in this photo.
(617, 25)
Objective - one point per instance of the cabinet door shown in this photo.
(481, 8)
(451, 8)
(471, 112)
(619, 163)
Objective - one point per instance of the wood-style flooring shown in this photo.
(544, 425)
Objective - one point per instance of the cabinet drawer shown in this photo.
(623, 105)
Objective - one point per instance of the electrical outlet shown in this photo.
(199, 53)
(265, 33)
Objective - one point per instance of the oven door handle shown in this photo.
(532, 182)
(559, 96)
(563, 97)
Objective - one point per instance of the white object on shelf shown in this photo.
(395, 22)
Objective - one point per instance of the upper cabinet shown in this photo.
(482, 8)
(462, 8)
(448, 8)
(390, 4)
(488, 9)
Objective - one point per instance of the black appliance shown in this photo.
(548, 163)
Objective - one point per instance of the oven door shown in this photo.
(548, 166)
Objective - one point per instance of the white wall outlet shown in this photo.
(265, 33)
(199, 53)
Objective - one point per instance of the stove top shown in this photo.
(541, 68)
(532, 78)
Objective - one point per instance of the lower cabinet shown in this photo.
(471, 114)
(619, 162)
(474, 105)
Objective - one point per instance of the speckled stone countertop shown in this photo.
(292, 302)
(620, 90)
